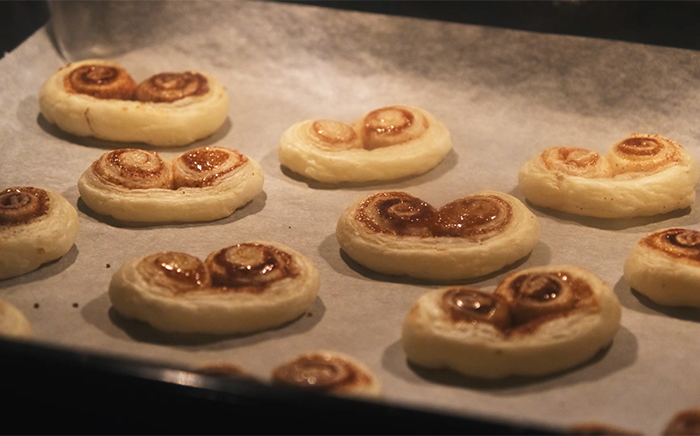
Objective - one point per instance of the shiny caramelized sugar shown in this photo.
(679, 244)
(101, 81)
(204, 166)
(319, 372)
(521, 303)
(142, 169)
(21, 205)
(475, 217)
(248, 267)
(115, 83)
(170, 87)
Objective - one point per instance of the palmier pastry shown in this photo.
(539, 321)
(225, 369)
(665, 266)
(386, 144)
(685, 422)
(328, 372)
(239, 289)
(600, 428)
(398, 234)
(201, 185)
(99, 98)
(13, 323)
(642, 175)
(36, 226)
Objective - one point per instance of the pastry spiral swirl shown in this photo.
(642, 175)
(243, 288)
(329, 373)
(205, 166)
(538, 321)
(385, 144)
(13, 323)
(204, 184)
(398, 234)
(170, 87)
(36, 226)
(665, 266)
(133, 169)
(98, 98)
(101, 81)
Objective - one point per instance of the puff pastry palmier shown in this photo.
(239, 289)
(36, 226)
(538, 321)
(225, 369)
(204, 184)
(642, 175)
(385, 144)
(665, 266)
(685, 422)
(328, 372)
(398, 234)
(13, 323)
(99, 98)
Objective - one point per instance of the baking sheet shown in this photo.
(504, 95)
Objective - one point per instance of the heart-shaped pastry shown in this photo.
(204, 184)
(99, 98)
(243, 288)
(538, 321)
(36, 226)
(641, 175)
(328, 372)
(398, 234)
(665, 266)
(385, 144)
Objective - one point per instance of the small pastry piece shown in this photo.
(665, 266)
(597, 428)
(239, 289)
(99, 98)
(642, 175)
(398, 234)
(201, 185)
(539, 321)
(686, 422)
(328, 372)
(225, 369)
(13, 323)
(386, 144)
(36, 226)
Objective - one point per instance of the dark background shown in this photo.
(651, 22)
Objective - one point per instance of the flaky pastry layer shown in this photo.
(220, 199)
(620, 190)
(439, 257)
(666, 274)
(214, 309)
(301, 153)
(164, 124)
(432, 339)
(26, 246)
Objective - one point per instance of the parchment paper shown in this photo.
(505, 95)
